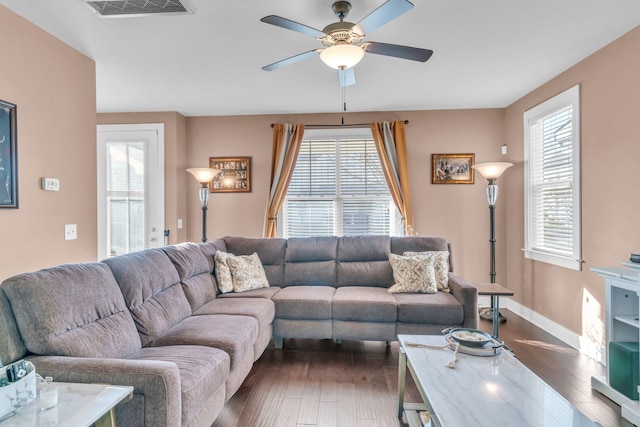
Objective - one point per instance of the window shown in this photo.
(338, 188)
(552, 180)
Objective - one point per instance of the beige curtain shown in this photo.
(392, 150)
(286, 146)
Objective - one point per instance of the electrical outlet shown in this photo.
(50, 184)
(70, 231)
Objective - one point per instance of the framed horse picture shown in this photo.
(452, 168)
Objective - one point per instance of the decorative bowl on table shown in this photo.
(470, 337)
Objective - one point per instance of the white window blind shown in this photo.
(338, 188)
(552, 181)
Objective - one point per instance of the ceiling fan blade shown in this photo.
(291, 60)
(279, 21)
(398, 51)
(347, 77)
(386, 12)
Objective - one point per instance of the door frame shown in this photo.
(156, 174)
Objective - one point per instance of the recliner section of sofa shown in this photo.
(129, 320)
(336, 287)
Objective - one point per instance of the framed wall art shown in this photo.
(452, 168)
(235, 175)
(8, 156)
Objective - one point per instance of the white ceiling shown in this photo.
(488, 53)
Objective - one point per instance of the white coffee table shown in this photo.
(79, 405)
(480, 391)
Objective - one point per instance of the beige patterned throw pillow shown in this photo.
(247, 272)
(223, 274)
(440, 265)
(413, 274)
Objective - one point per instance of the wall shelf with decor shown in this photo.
(622, 291)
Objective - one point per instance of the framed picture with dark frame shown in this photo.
(235, 175)
(452, 168)
(8, 156)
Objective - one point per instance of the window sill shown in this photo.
(559, 260)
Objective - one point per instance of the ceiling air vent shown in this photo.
(129, 8)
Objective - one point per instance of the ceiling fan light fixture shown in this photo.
(342, 56)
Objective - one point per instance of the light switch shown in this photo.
(70, 231)
(179, 223)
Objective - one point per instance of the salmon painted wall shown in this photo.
(174, 164)
(458, 213)
(610, 104)
(54, 89)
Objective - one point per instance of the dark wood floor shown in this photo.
(318, 383)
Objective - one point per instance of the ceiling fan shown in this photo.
(343, 41)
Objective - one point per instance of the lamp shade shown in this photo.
(342, 56)
(492, 170)
(203, 175)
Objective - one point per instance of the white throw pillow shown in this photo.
(413, 274)
(247, 272)
(440, 266)
(223, 274)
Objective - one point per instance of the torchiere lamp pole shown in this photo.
(204, 176)
(492, 171)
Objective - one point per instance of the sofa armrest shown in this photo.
(467, 294)
(156, 383)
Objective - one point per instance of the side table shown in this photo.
(79, 405)
(496, 291)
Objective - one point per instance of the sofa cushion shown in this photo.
(364, 261)
(203, 371)
(262, 309)
(194, 272)
(440, 266)
(311, 261)
(400, 245)
(363, 248)
(247, 272)
(413, 274)
(320, 273)
(440, 308)
(304, 302)
(270, 251)
(11, 345)
(72, 310)
(209, 250)
(364, 273)
(151, 287)
(233, 334)
(311, 249)
(364, 304)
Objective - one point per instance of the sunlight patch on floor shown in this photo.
(592, 337)
(546, 345)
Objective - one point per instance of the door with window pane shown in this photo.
(130, 192)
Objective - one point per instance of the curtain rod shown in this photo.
(406, 122)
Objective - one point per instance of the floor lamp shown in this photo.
(492, 171)
(204, 176)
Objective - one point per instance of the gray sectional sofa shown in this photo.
(155, 319)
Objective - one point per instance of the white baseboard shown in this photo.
(592, 350)
(543, 323)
